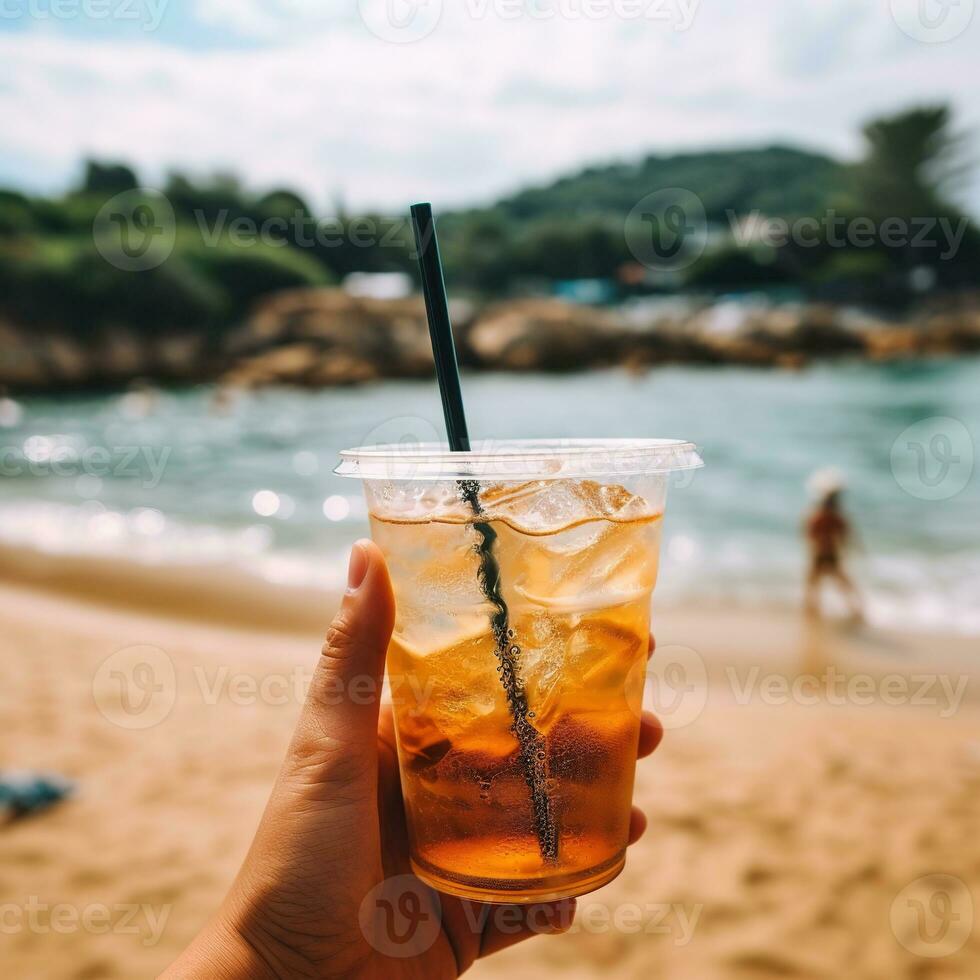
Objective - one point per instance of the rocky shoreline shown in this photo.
(322, 337)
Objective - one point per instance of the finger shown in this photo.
(341, 711)
(651, 734)
(638, 824)
(508, 925)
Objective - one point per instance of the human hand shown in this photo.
(334, 831)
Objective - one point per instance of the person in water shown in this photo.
(829, 534)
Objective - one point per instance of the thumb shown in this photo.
(339, 724)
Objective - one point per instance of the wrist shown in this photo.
(220, 952)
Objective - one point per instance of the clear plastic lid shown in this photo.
(520, 459)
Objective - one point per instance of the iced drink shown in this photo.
(517, 701)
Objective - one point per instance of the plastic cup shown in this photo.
(522, 574)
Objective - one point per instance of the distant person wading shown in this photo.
(829, 535)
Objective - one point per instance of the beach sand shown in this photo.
(788, 836)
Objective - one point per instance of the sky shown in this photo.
(380, 102)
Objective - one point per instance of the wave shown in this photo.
(901, 589)
(142, 557)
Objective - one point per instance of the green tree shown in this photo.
(913, 168)
(913, 163)
(107, 179)
(15, 214)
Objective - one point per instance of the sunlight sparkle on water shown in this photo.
(266, 503)
(336, 508)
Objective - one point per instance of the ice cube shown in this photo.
(602, 651)
(548, 506)
(542, 639)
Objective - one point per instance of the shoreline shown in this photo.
(121, 385)
(227, 594)
(287, 593)
(302, 337)
(224, 596)
(219, 593)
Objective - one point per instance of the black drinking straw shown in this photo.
(440, 327)
(531, 743)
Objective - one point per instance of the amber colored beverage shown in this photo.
(517, 764)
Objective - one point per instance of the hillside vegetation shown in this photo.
(230, 246)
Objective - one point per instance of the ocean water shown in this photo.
(179, 478)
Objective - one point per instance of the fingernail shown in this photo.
(357, 568)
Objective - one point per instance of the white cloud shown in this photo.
(478, 107)
(275, 20)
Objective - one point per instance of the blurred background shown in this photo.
(753, 226)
